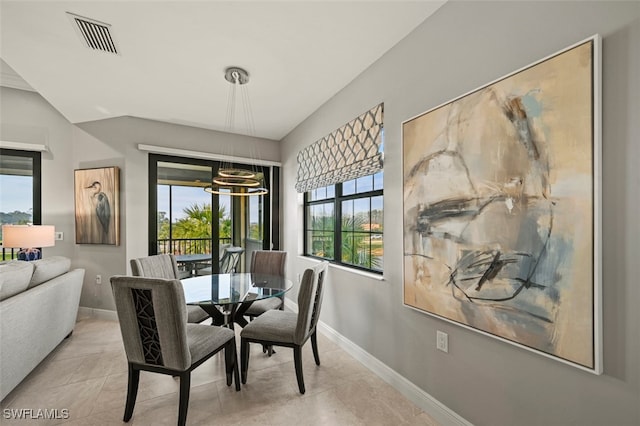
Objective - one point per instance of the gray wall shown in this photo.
(488, 382)
(115, 142)
(27, 117)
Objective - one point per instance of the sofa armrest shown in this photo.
(34, 322)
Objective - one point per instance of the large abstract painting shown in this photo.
(501, 208)
(97, 200)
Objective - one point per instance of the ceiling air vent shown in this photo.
(96, 34)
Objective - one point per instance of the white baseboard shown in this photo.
(440, 412)
(102, 314)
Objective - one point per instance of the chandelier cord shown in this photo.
(231, 108)
(239, 181)
(248, 114)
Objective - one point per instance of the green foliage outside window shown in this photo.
(360, 246)
(196, 223)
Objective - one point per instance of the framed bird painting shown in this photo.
(97, 205)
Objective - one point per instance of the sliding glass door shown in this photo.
(208, 233)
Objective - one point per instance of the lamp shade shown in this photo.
(28, 236)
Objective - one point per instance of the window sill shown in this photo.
(371, 275)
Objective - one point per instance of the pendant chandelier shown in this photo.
(230, 180)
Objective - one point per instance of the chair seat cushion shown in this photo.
(203, 339)
(196, 314)
(272, 326)
(259, 307)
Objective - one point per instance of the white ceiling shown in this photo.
(174, 53)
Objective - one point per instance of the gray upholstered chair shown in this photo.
(157, 338)
(165, 266)
(269, 263)
(288, 329)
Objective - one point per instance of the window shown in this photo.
(186, 220)
(344, 223)
(19, 190)
(341, 177)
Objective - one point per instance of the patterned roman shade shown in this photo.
(352, 151)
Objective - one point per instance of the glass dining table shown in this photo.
(226, 297)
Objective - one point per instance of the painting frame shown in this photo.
(435, 257)
(97, 205)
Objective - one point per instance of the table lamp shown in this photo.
(26, 238)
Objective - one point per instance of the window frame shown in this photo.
(36, 174)
(337, 200)
(261, 224)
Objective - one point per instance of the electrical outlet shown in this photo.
(59, 236)
(98, 279)
(442, 341)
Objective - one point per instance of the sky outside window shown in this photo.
(17, 193)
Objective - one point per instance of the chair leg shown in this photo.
(268, 349)
(297, 359)
(236, 366)
(244, 359)
(228, 361)
(185, 387)
(132, 392)
(231, 363)
(314, 346)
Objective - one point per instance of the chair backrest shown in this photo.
(156, 266)
(223, 250)
(268, 262)
(229, 262)
(153, 321)
(310, 301)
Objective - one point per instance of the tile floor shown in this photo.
(87, 375)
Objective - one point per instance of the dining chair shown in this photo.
(288, 329)
(157, 338)
(268, 262)
(230, 260)
(165, 266)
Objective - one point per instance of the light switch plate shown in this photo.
(59, 236)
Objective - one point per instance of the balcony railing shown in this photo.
(187, 245)
(9, 253)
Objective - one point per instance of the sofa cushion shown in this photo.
(49, 268)
(14, 277)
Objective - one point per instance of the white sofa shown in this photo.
(38, 309)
